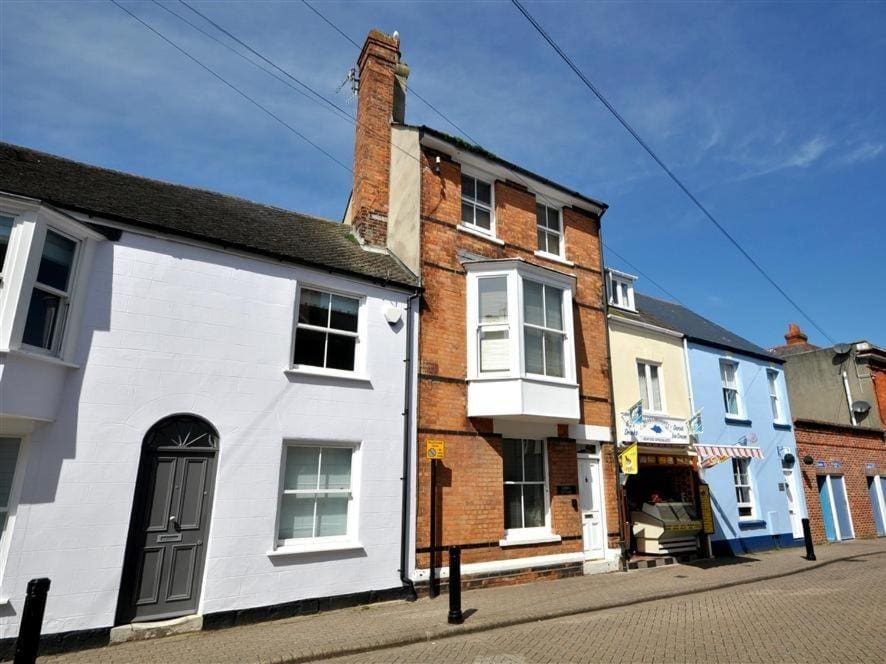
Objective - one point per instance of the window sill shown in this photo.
(748, 524)
(530, 378)
(40, 357)
(323, 373)
(739, 421)
(554, 258)
(782, 426)
(480, 234)
(315, 547)
(524, 541)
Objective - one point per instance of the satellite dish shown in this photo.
(860, 407)
(842, 349)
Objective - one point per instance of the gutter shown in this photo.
(405, 512)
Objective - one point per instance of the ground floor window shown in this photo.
(525, 484)
(744, 495)
(316, 496)
(877, 491)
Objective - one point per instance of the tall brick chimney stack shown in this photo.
(381, 99)
(795, 336)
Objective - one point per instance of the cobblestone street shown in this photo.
(833, 614)
(767, 607)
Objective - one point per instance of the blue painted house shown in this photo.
(747, 452)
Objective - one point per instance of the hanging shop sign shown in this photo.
(652, 429)
(628, 460)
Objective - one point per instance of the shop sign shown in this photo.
(628, 460)
(707, 513)
(820, 464)
(652, 429)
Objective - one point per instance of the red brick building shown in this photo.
(838, 400)
(514, 369)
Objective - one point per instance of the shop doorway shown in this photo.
(835, 508)
(590, 505)
(790, 492)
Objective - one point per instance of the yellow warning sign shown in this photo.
(628, 460)
(707, 514)
(435, 449)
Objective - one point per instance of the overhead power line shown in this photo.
(624, 123)
(233, 87)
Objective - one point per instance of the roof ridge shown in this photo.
(167, 183)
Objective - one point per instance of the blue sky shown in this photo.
(771, 113)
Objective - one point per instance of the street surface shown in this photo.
(834, 613)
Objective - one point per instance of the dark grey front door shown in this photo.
(170, 521)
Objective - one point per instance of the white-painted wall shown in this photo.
(167, 328)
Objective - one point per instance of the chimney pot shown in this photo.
(795, 336)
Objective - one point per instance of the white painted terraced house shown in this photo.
(203, 404)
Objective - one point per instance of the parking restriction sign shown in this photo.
(435, 449)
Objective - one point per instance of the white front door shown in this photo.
(590, 505)
(793, 508)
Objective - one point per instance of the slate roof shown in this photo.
(697, 328)
(461, 144)
(193, 213)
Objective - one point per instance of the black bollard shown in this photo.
(28, 642)
(455, 615)
(807, 536)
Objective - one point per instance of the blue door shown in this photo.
(827, 512)
(876, 485)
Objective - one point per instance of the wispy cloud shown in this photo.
(867, 151)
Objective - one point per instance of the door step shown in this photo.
(660, 562)
(154, 630)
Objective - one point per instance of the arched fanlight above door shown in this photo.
(182, 431)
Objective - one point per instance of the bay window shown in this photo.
(5, 233)
(493, 324)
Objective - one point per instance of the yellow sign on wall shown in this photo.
(628, 460)
(435, 449)
(707, 514)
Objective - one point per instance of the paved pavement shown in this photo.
(596, 617)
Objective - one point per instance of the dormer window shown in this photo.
(621, 290)
(476, 204)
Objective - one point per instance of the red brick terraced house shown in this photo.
(514, 371)
(838, 400)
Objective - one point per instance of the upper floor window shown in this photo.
(650, 386)
(327, 330)
(550, 230)
(772, 378)
(621, 291)
(731, 393)
(50, 297)
(5, 232)
(741, 476)
(9, 449)
(476, 203)
(543, 334)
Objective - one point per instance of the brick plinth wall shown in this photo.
(853, 449)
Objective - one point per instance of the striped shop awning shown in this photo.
(707, 451)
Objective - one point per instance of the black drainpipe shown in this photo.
(407, 444)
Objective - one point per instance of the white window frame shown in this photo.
(483, 328)
(751, 504)
(778, 416)
(617, 280)
(350, 540)
(543, 329)
(648, 397)
(516, 271)
(836, 517)
(485, 179)
(534, 533)
(60, 325)
(12, 504)
(31, 223)
(736, 387)
(561, 235)
(361, 335)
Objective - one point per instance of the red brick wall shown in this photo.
(879, 376)
(471, 495)
(853, 449)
